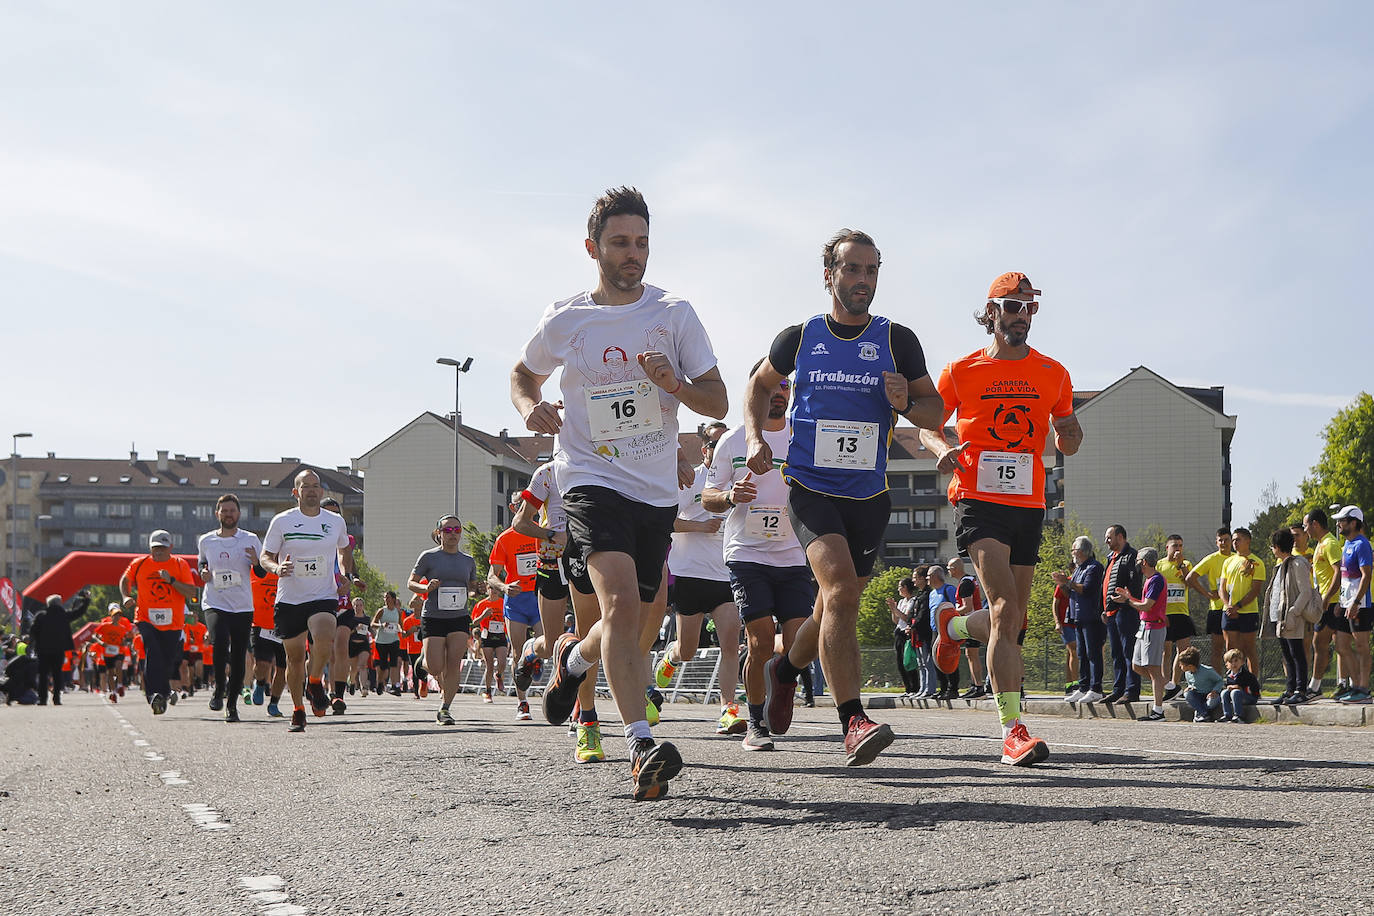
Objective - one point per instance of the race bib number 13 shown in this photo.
(1006, 472)
(623, 409)
(845, 444)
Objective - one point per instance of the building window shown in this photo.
(924, 554)
(266, 512)
(899, 517)
(21, 573)
(501, 516)
(145, 510)
(21, 511)
(174, 511)
(119, 510)
(117, 539)
(924, 484)
(923, 518)
(25, 481)
(85, 538)
(501, 482)
(202, 512)
(57, 510)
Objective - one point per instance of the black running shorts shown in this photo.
(600, 519)
(861, 522)
(1018, 527)
(699, 596)
(1180, 626)
(443, 626)
(294, 619)
(267, 650)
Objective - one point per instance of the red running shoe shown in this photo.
(1019, 749)
(319, 702)
(946, 647)
(864, 741)
(778, 697)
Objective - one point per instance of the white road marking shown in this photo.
(141, 743)
(205, 817)
(173, 778)
(269, 893)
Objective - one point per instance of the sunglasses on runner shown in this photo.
(450, 529)
(1014, 306)
(785, 384)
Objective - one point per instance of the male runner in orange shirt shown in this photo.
(1008, 396)
(156, 587)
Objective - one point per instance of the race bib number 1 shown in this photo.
(767, 522)
(623, 409)
(453, 599)
(845, 444)
(1006, 472)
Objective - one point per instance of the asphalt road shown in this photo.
(105, 809)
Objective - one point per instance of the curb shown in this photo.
(1319, 713)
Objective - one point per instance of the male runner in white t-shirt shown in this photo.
(300, 547)
(702, 586)
(630, 354)
(767, 565)
(227, 556)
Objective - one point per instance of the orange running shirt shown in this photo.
(166, 604)
(487, 611)
(264, 599)
(519, 555)
(195, 637)
(1005, 410)
(409, 644)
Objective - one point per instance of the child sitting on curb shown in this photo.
(1204, 684)
(1242, 688)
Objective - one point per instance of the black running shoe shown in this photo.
(297, 721)
(216, 703)
(319, 701)
(560, 695)
(231, 714)
(651, 766)
(338, 705)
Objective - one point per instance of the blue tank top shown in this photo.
(841, 420)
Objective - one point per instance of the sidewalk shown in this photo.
(1322, 712)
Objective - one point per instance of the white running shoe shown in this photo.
(1093, 696)
(1075, 697)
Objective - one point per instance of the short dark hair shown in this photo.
(390, 594)
(1282, 538)
(1223, 530)
(227, 498)
(1174, 537)
(1190, 656)
(1119, 529)
(1243, 530)
(329, 501)
(828, 258)
(1319, 516)
(704, 431)
(615, 202)
(1297, 525)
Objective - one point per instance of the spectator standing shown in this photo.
(1204, 579)
(1120, 616)
(1204, 684)
(1326, 560)
(928, 679)
(1147, 657)
(1179, 633)
(1357, 564)
(50, 634)
(968, 597)
(1241, 690)
(1084, 585)
(1292, 602)
(941, 594)
(901, 611)
(1242, 583)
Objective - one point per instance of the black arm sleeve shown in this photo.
(907, 353)
(964, 590)
(783, 353)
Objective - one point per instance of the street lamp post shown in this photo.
(459, 369)
(14, 499)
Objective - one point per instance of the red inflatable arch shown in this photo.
(81, 568)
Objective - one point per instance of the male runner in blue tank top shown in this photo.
(855, 374)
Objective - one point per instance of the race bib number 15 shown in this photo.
(1006, 472)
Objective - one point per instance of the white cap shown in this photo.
(1351, 512)
(114, 606)
(159, 538)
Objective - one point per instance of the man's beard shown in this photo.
(1014, 336)
(847, 300)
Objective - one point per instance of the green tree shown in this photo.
(875, 622)
(377, 585)
(1341, 474)
(479, 545)
(1274, 514)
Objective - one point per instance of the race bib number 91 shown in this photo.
(227, 578)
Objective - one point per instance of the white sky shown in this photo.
(250, 228)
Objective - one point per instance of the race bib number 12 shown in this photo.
(767, 522)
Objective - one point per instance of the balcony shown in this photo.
(906, 534)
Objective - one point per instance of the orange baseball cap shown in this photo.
(1007, 284)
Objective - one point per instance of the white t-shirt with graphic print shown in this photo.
(619, 429)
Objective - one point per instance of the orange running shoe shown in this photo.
(1019, 749)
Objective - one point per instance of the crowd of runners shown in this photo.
(773, 531)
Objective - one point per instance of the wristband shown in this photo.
(675, 389)
(730, 497)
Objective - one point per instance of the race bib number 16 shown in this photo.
(623, 409)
